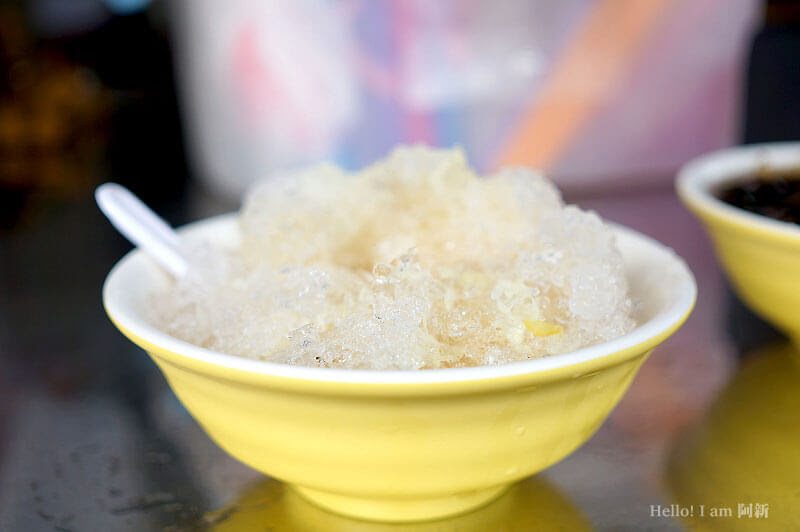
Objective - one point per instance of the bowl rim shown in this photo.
(643, 338)
(698, 177)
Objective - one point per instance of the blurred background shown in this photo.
(187, 102)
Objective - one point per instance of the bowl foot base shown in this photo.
(399, 510)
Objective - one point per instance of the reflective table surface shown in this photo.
(92, 438)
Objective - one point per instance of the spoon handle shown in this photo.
(139, 224)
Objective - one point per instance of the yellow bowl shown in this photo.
(760, 255)
(404, 445)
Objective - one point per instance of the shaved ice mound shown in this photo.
(414, 262)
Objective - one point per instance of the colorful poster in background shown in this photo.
(592, 91)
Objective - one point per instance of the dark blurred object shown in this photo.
(776, 197)
(100, 103)
(132, 56)
(772, 101)
(52, 118)
(771, 113)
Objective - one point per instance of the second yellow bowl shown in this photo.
(760, 255)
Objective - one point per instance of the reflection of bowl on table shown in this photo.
(532, 504)
(404, 445)
(747, 450)
(760, 255)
